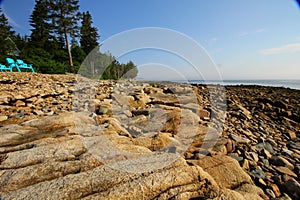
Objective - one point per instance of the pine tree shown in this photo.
(88, 34)
(6, 34)
(130, 70)
(88, 40)
(39, 20)
(65, 16)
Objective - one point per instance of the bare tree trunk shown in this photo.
(69, 49)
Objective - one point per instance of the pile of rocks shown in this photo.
(28, 96)
(262, 131)
(67, 137)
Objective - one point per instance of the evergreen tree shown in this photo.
(79, 56)
(53, 23)
(116, 70)
(130, 70)
(7, 45)
(40, 34)
(65, 16)
(88, 34)
(88, 40)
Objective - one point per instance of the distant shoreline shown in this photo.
(281, 83)
(292, 84)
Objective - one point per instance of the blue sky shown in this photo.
(257, 39)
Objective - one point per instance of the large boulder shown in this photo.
(225, 170)
(234, 181)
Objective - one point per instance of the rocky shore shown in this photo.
(67, 137)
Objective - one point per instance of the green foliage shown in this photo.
(78, 55)
(40, 34)
(120, 71)
(65, 16)
(105, 66)
(7, 46)
(53, 23)
(88, 34)
(43, 61)
(95, 64)
(130, 70)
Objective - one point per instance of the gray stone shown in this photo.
(257, 173)
(265, 145)
(236, 156)
(266, 162)
(254, 156)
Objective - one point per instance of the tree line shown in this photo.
(62, 39)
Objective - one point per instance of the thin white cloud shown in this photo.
(210, 43)
(10, 20)
(247, 33)
(260, 30)
(289, 48)
(244, 33)
(214, 39)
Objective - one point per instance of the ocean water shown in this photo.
(293, 84)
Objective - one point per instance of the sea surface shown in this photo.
(293, 84)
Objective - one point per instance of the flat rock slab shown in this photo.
(177, 179)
